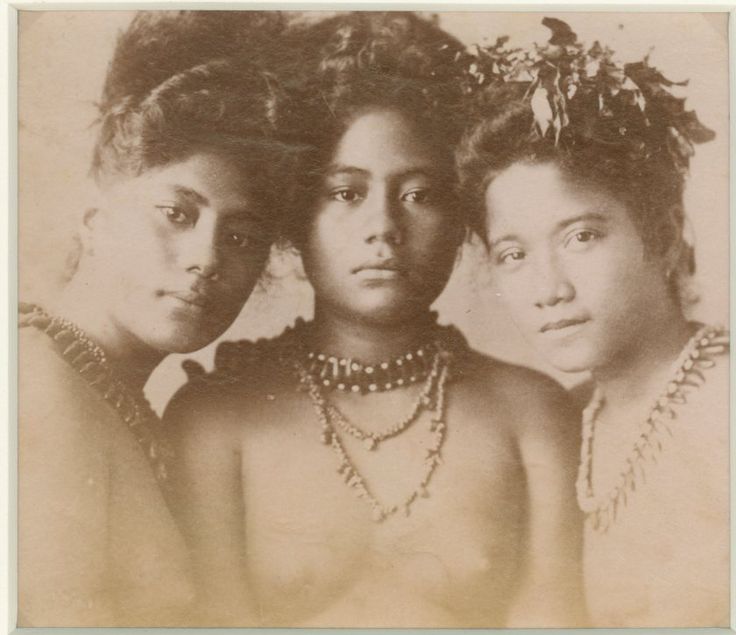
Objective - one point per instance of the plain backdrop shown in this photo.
(63, 56)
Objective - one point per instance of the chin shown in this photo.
(396, 310)
(379, 315)
(186, 346)
(185, 340)
(390, 306)
(571, 359)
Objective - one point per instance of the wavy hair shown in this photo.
(359, 61)
(617, 127)
(182, 82)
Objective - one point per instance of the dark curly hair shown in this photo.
(651, 187)
(186, 81)
(358, 61)
(616, 127)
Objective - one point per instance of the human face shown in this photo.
(382, 242)
(181, 248)
(571, 267)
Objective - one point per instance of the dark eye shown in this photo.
(511, 256)
(238, 239)
(582, 238)
(345, 195)
(250, 239)
(175, 215)
(418, 196)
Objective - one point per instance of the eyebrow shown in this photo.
(188, 192)
(334, 169)
(245, 213)
(597, 216)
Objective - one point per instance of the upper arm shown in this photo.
(207, 496)
(63, 494)
(548, 433)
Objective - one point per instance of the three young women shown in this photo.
(366, 467)
(578, 180)
(185, 164)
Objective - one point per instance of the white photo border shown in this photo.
(9, 252)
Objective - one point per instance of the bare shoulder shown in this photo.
(529, 399)
(220, 402)
(57, 407)
(65, 436)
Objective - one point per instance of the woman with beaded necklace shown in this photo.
(367, 468)
(591, 262)
(185, 164)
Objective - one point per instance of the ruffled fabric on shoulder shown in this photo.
(235, 360)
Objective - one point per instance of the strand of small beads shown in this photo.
(602, 509)
(89, 360)
(434, 397)
(372, 439)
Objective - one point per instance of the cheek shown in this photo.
(435, 240)
(611, 281)
(516, 294)
(327, 245)
(140, 244)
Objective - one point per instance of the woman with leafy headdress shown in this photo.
(575, 165)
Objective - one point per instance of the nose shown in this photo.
(382, 223)
(200, 250)
(553, 285)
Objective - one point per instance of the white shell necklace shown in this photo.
(602, 509)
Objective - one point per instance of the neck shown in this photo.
(641, 370)
(368, 342)
(133, 360)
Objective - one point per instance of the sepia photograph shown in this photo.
(373, 319)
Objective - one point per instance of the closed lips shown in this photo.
(197, 299)
(561, 324)
(387, 265)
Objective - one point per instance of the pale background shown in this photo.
(62, 60)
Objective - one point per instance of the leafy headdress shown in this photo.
(583, 98)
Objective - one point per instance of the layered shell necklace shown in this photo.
(602, 509)
(79, 351)
(431, 398)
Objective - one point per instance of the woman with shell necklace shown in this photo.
(179, 236)
(591, 262)
(366, 468)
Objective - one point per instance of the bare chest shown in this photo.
(664, 562)
(149, 572)
(311, 539)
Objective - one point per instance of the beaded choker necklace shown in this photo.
(349, 375)
(432, 397)
(430, 363)
(602, 509)
(90, 361)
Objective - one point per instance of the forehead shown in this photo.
(205, 170)
(536, 198)
(381, 141)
